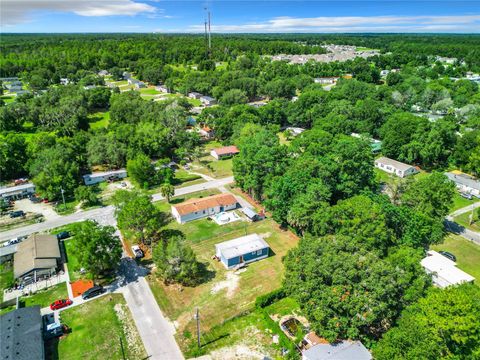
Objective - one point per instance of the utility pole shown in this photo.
(63, 198)
(209, 36)
(197, 317)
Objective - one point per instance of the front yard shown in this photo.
(47, 296)
(467, 253)
(464, 220)
(225, 294)
(99, 329)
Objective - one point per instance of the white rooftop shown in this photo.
(10, 189)
(394, 163)
(446, 271)
(105, 173)
(241, 246)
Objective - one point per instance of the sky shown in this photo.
(229, 16)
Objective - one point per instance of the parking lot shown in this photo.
(39, 208)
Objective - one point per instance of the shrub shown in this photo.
(269, 298)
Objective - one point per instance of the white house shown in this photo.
(225, 151)
(295, 131)
(98, 177)
(163, 89)
(342, 350)
(243, 250)
(207, 100)
(103, 73)
(199, 208)
(194, 95)
(140, 85)
(206, 133)
(17, 192)
(465, 183)
(444, 271)
(384, 72)
(395, 167)
(326, 80)
(64, 81)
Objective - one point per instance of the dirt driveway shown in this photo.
(45, 209)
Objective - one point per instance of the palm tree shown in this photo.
(167, 190)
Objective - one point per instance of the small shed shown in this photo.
(250, 214)
(242, 250)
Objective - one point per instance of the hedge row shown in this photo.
(269, 298)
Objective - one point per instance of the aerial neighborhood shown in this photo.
(213, 196)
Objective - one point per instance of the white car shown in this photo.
(138, 252)
(12, 242)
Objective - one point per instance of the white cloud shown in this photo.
(458, 23)
(19, 11)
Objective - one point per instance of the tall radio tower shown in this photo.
(208, 34)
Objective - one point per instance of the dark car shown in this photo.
(16, 214)
(59, 304)
(63, 235)
(448, 255)
(92, 292)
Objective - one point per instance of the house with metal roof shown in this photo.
(395, 167)
(243, 250)
(444, 271)
(37, 257)
(21, 335)
(98, 177)
(342, 350)
(465, 183)
(207, 100)
(199, 208)
(17, 192)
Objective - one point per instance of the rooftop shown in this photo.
(241, 246)
(7, 190)
(445, 269)
(36, 252)
(227, 150)
(194, 205)
(343, 350)
(21, 336)
(464, 179)
(396, 164)
(105, 173)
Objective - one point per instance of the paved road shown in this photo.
(103, 215)
(458, 229)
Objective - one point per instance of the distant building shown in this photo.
(21, 335)
(98, 177)
(64, 81)
(241, 251)
(162, 89)
(444, 271)
(465, 183)
(207, 100)
(140, 85)
(126, 75)
(17, 192)
(103, 73)
(384, 72)
(206, 133)
(199, 208)
(37, 257)
(251, 214)
(446, 60)
(224, 152)
(395, 167)
(342, 350)
(326, 80)
(89, 87)
(376, 145)
(194, 95)
(295, 131)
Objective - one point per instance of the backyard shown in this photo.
(225, 294)
(208, 165)
(47, 296)
(99, 120)
(99, 329)
(467, 253)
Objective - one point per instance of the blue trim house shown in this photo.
(243, 250)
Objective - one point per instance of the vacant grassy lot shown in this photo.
(6, 276)
(467, 253)
(460, 202)
(47, 296)
(208, 165)
(253, 330)
(99, 120)
(73, 265)
(98, 327)
(149, 91)
(225, 294)
(464, 220)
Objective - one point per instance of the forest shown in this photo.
(320, 184)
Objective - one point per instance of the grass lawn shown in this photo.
(97, 327)
(208, 165)
(181, 177)
(6, 276)
(73, 265)
(225, 294)
(467, 253)
(253, 330)
(8, 99)
(99, 120)
(460, 202)
(164, 206)
(47, 296)
(149, 91)
(464, 220)
(194, 102)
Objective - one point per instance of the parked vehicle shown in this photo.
(466, 195)
(21, 181)
(12, 242)
(59, 304)
(35, 199)
(138, 252)
(63, 235)
(16, 214)
(449, 255)
(92, 292)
